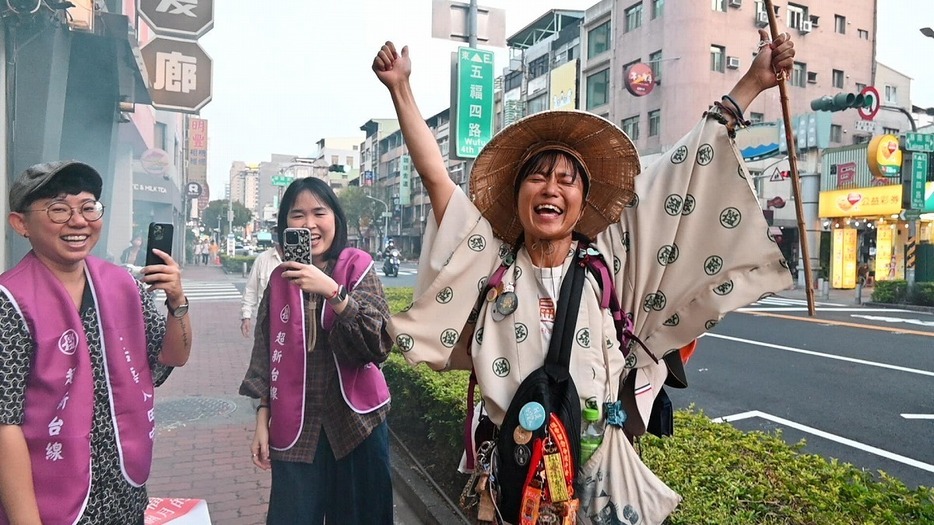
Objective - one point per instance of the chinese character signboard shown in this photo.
(405, 180)
(179, 74)
(474, 101)
(919, 174)
(861, 202)
(188, 19)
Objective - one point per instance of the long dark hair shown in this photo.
(326, 195)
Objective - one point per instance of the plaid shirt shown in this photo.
(358, 335)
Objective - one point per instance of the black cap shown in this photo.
(37, 176)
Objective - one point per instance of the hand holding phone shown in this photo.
(160, 238)
(297, 245)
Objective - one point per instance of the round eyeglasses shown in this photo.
(60, 213)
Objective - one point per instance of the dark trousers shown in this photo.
(356, 489)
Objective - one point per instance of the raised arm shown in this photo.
(774, 56)
(393, 70)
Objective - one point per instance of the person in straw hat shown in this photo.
(684, 240)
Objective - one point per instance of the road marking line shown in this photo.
(841, 323)
(827, 435)
(819, 354)
(918, 416)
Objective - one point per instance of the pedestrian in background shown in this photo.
(321, 330)
(547, 194)
(214, 250)
(135, 254)
(82, 348)
(198, 250)
(256, 283)
(205, 251)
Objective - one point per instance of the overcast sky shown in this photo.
(290, 72)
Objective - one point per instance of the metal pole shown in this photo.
(472, 24)
(793, 166)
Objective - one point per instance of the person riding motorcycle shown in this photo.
(391, 260)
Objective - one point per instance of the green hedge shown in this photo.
(235, 264)
(724, 475)
(897, 292)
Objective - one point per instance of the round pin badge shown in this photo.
(532, 416)
(522, 455)
(492, 295)
(507, 303)
(521, 436)
(497, 316)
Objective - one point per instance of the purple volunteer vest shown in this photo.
(59, 399)
(363, 387)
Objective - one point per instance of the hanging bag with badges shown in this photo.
(538, 446)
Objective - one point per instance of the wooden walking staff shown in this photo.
(793, 167)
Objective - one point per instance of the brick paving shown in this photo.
(209, 457)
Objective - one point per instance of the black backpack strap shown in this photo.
(558, 361)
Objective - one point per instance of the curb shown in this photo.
(912, 307)
(420, 492)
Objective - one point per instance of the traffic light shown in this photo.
(842, 101)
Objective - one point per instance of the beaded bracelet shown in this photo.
(740, 118)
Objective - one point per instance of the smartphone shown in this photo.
(160, 237)
(297, 245)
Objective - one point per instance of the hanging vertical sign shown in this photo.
(405, 180)
(474, 101)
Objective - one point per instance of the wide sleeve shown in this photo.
(457, 258)
(695, 244)
(360, 333)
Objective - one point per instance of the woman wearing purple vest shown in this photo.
(321, 331)
(82, 347)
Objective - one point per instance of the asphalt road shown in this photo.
(856, 383)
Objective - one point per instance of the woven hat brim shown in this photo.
(608, 156)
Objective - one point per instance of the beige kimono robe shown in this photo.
(693, 247)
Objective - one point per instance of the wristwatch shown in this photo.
(338, 296)
(179, 312)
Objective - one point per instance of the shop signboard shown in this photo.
(884, 156)
(189, 19)
(843, 265)
(179, 74)
(885, 253)
(861, 202)
(564, 86)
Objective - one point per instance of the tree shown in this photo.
(358, 209)
(218, 210)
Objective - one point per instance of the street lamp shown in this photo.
(385, 220)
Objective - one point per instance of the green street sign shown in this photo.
(281, 180)
(919, 141)
(912, 215)
(474, 101)
(919, 173)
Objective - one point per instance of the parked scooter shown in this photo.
(391, 264)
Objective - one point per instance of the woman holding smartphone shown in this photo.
(321, 331)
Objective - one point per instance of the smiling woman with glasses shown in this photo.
(82, 348)
(60, 212)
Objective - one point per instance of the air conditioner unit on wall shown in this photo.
(736, 3)
(732, 62)
(806, 26)
(762, 19)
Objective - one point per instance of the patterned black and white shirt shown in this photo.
(112, 500)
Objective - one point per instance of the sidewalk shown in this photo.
(205, 428)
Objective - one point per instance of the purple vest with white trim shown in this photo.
(363, 386)
(59, 397)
